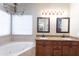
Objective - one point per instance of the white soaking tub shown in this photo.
(15, 48)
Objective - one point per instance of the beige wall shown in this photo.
(74, 14)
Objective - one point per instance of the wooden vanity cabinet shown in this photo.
(57, 48)
(43, 48)
(68, 49)
(48, 48)
(75, 44)
(77, 51)
(56, 51)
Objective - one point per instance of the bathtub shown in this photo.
(15, 48)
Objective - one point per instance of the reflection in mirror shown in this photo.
(43, 24)
(63, 25)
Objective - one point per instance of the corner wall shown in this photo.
(74, 23)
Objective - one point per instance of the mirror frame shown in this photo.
(57, 29)
(46, 18)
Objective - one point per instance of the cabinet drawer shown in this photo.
(75, 43)
(56, 47)
(66, 43)
(44, 42)
(57, 53)
(48, 42)
(70, 43)
(56, 43)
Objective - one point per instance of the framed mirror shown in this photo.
(63, 25)
(43, 24)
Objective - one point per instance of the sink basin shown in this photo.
(43, 38)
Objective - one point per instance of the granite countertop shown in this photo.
(58, 38)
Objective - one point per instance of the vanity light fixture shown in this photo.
(53, 12)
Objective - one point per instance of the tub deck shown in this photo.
(16, 48)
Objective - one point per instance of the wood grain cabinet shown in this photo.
(43, 48)
(57, 48)
(69, 50)
(56, 52)
(48, 48)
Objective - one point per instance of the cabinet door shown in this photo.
(56, 50)
(43, 50)
(48, 50)
(57, 53)
(77, 51)
(40, 50)
(69, 50)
